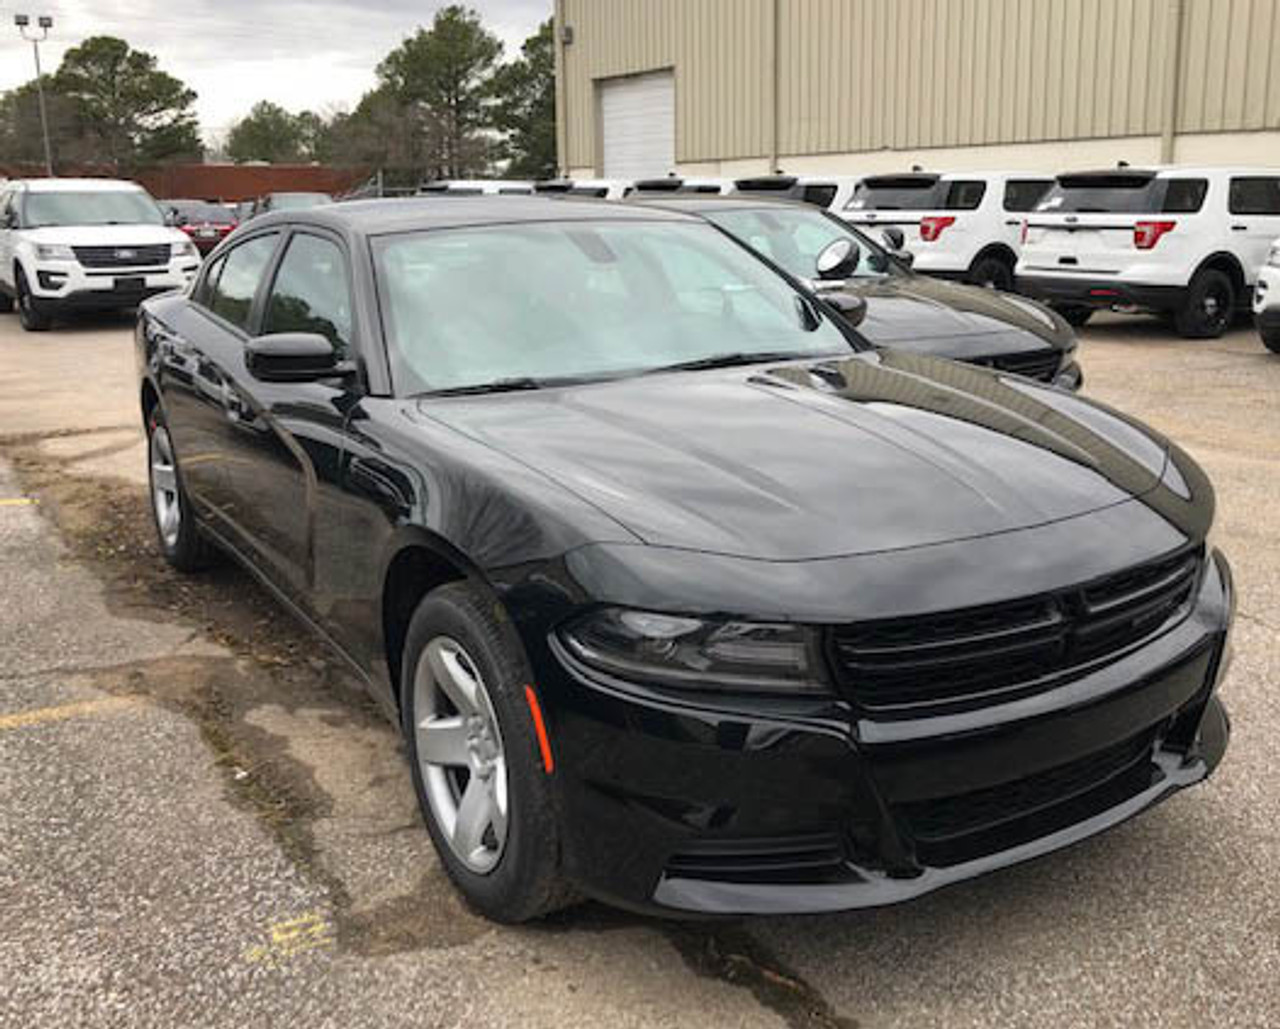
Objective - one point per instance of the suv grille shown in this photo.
(1035, 364)
(980, 655)
(123, 256)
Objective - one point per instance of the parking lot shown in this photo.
(203, 821)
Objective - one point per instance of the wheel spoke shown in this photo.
(162, 475)
(498, 799)
(454, 679)
(443, 741)
(475, 814)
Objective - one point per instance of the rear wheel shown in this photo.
(33, 317)
(993, 272)
(476, 758)
(1208, 308)
(181, 543)
(1074, 316)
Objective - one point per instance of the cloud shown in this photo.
(301, 54)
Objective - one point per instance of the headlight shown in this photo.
(692, 653)
(54, 252)
(185, 249)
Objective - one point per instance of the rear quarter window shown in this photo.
(1184, 196)
(964, 195)
(1255, 194)
(819, 196)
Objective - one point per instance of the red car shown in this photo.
(207, 224)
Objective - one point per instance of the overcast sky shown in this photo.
(317, 54)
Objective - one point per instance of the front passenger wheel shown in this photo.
(181, 543)
(479, 767)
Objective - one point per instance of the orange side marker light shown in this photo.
(540, 727)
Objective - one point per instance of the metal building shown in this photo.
(733, 87)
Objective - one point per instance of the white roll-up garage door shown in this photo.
(638, 124)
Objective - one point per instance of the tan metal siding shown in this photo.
(869, 74)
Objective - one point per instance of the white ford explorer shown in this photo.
(91, 244)
(1185, 242)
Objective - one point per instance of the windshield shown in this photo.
(297, 201)
(793, 239)
(90, 207)
(189, 214)
(1123, 194)
(466, 307)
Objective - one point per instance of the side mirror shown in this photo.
(894, 238)
(838, 260)
(294, 357)
(10, 219)
(852, 307)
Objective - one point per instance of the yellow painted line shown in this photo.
(288, 939)
(17, 501)
(43, 715)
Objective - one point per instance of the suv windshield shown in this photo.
(1123, 194)
(793, 239)
(89, 207)
(582, 301)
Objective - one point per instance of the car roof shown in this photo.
(695, 203)
(77, 185)
(415, 214)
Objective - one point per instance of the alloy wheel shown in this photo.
(461, 755)
(164, 486)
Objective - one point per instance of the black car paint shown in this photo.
(824, 492)
(922, 314)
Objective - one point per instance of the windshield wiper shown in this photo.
(730, 360)
(512, 384)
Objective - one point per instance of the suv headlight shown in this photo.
(54, 252)
(185, 249)
(698, 654)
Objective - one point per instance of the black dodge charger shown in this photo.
(684, 596)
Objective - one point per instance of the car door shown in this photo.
(1253, 207)
(287, 452)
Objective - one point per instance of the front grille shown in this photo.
(949, 830)
(1035, 364)
(985, 654)
(123, 256)
(794, 859)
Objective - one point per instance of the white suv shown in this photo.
(1266, 300)
(830, 192)
(1186, 242)
(959, 225)
(85, 243)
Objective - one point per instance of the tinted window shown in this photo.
(232, 295)
(1255, 195)
(964, 195)
(589, 191)
(898, 193)
(819, 196)
(585, 300)
(1104, 194)
(1024, 194)
(1184, 196)
(204, 291)
(311, 292)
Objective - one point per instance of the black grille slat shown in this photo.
(123, 256)
(978, 655)
(1035, 364)
(785, 859)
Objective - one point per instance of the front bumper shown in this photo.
(59, 286)
(1099, 293)
(783, 806)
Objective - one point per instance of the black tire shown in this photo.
(993, 272)
(1271, 339)
(1208, 307)
(32, 317)
(1076, 317)
(185, 548)
(525, 883)
(6, 303)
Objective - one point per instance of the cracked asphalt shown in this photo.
(204, 823)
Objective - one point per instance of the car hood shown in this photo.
(879, 451)
(914, 310)
(105, 235)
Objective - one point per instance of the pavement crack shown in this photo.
(733, 956)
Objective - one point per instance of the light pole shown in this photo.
(44, 23)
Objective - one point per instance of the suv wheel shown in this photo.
(992, 272)
(1271, 339)
(181, 542)
(30, 314)
(1209, 306)
(476, 758)
(6, 303)
(1076, 317)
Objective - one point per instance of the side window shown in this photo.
(1024, 194)
(204, 291)
(820, 196)
(1254, 195)
(242, 270)
(1184, 196)
(965, 195)
(311, 292)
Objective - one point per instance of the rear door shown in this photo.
(1253, 204)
